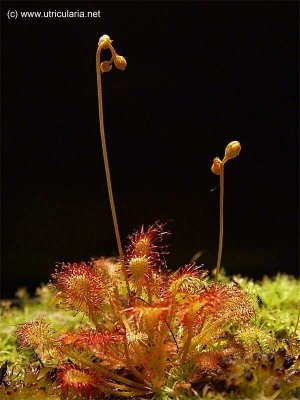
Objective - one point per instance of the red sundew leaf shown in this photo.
(38, 335)
(151, 315)
(105, 345)
(188, 279)
(217, 301)
(80, 287)
(230, 300)
(93, 338)
(145, 263)
(148, 244)
(110, 267)
(78, 382)
(31, 334)
(208, 360)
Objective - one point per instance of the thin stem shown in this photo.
(106, 164)
(187, 343)
(298, 318)
(172, 334)
(135, 372)
(130, 394)
(212, 327)
(104, 150)
(115, 385)
(221, 220)
(149, 293)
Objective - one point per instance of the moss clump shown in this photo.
(43, 305)
(276, 301)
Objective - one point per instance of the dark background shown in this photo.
(199, 75)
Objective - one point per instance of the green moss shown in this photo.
(276, 302)
(45, 306)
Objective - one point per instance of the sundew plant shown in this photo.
(146, 331)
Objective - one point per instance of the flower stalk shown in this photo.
(232, 150)
(105, 66)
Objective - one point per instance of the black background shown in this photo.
(199, 75)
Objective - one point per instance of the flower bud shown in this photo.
(216, 167)
(105, 39)
(232, 150)
(105, 66)
(120, 62)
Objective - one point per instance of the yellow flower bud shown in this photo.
(105, 66)
(120, 62)
(232, 150)
(106, 39)
(216, 167)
